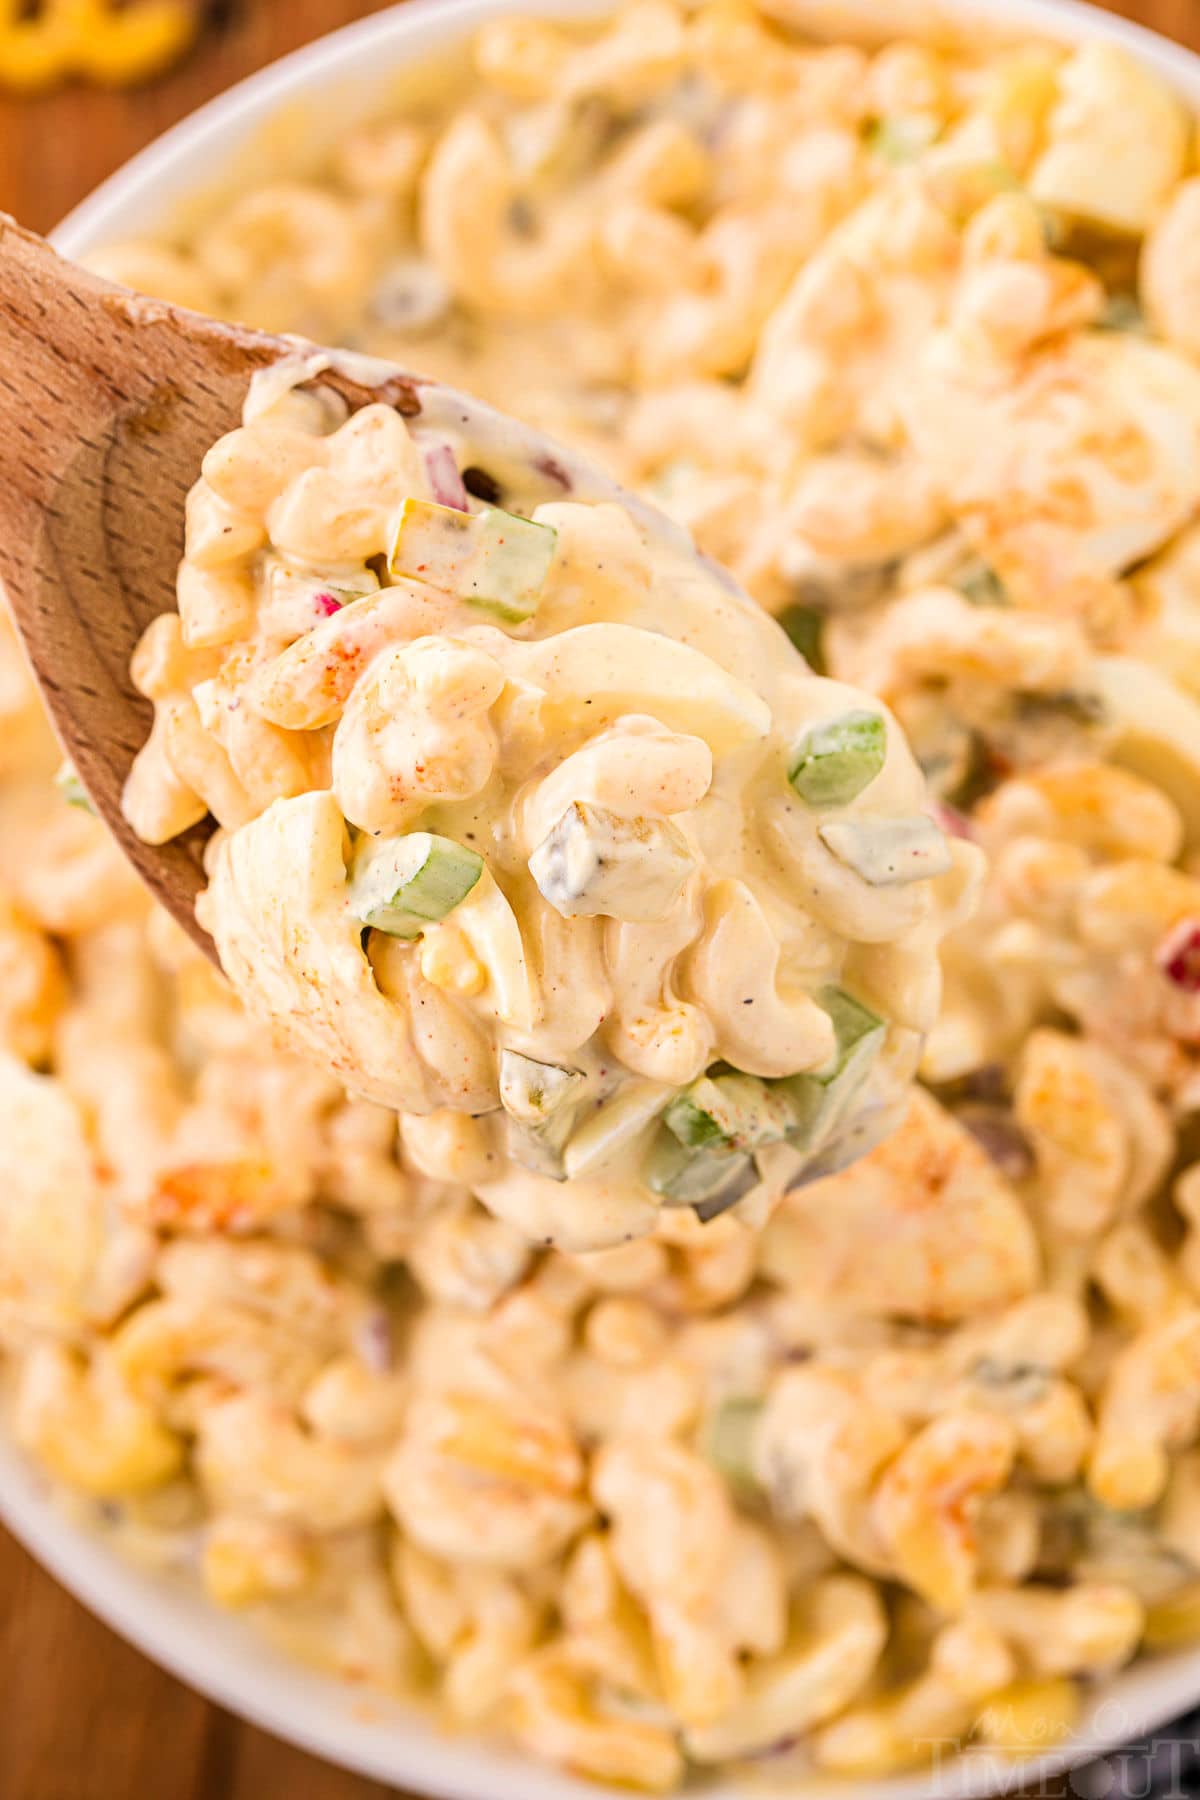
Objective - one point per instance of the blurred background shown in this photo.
(84, 84)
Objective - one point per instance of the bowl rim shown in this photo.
(169, 1620)
(223, 123)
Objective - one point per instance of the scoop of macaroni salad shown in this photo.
(906, 334)
(528, 813)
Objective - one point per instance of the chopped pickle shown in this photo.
(406, 883)
(534, 1092)
(598, 862)
(614, 1126)
(818, 1101)
(804, 626)
(540, 1148)
(889, 852)
(701, 1156)
(835, 760)
(735, 1189)
(727, 1441)
(540, 1099)
(979, 583)
(492, 559)
(727, 1112)
(856, 1136)
(689, 1177)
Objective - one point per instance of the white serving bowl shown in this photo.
(260, 125)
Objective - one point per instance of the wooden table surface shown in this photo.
(83, 1716)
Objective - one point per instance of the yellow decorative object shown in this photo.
(93, 39)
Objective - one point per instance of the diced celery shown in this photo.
(889, 852)
(72, 789)
(727, 1442)
(836, 759)
(534, 1092)
(594, 861)
(689, 1177)
(805, 626)
(405, 884)
(491, 559)
(1074, 706)
(728, 1112)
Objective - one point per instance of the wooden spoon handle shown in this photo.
(108, 402)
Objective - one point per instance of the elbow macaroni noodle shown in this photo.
(906, 336)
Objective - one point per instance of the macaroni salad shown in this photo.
(907, 336)
(554, 828)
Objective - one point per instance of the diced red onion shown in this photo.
(1178, 956)
(373, 1342)
(784, 1746)
(552, 469)
(327, 604)
(988, 1084)
(953, 823)
(444, 478)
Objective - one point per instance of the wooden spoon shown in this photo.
(108, 402)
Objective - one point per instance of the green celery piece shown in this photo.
(836, 759)
(491, 559)
(1123, 312)
(405, 884)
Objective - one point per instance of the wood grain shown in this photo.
(82, 1716)
(108, 402)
